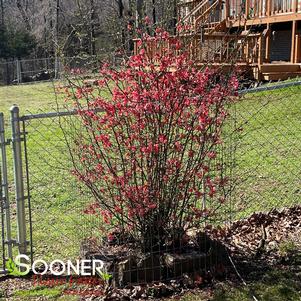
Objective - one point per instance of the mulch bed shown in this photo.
(256, 243)
(262, 234)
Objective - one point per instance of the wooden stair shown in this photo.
(279, 71)
(217, 27)
(200, 17)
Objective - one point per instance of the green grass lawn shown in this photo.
(31, 97)
(268, 151)
(274, 285)
(267, 170)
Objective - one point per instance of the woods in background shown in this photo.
(45, 28)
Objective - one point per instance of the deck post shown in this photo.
(295, 6)
(294, 30)
(268, 43)
(260, 8)
(268, 8)
(227, 9)
(260, 57)
(247, 8)
(297, 48)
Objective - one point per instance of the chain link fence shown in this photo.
(261, 154)
(268, 149)
(45, 69)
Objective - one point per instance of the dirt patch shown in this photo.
(197, 253)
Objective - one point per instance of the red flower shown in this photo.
(105, 140)
(110, 237)
(118, 209)
(147, 20)
(211, 155)
(152, 206)
(162, 139)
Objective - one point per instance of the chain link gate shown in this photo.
(6, 250)
(57, 201)
(25, 193)
(13, 242)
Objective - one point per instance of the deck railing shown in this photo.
(212, 48)
(262, 8)
(205, 12)
(235, 9)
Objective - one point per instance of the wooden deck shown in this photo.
(218, 32)
(236, 11)
(255, 12)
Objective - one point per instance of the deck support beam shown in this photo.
(247, 12)
(297, 48)
(268, 43)
(227, 9)
(293, 43)
(260, 54)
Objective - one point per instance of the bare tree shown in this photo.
(91, 27)
(139, 12)
(23, 9)
(2, 12)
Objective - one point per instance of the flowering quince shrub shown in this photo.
(148, 153)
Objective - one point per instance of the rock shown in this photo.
(137, 292)
(125, 272)
(149, 269)
(272, 246)
(187, 281)
(178, 264)
(43, 75)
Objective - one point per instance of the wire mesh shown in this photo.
(268, 165)
(55, 197)
(45, 69)
(58, 204)
(260, 156)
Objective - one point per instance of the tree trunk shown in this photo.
(23, 14)
(121, 21)
(92, 28)
(175, 17)
(154, 12)
(139, 12)
(56, 39)
(120, 9)
(2, 12)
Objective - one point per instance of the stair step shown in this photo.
(268, 68)
(280, 75)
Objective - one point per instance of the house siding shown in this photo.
(281, 45)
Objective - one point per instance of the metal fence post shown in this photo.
(57, 68)
(19, 72)
(18, 176)
(4, 184)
